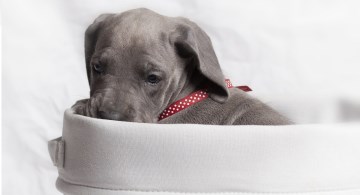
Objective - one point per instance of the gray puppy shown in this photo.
(139, 62)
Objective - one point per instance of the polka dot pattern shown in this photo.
(193, 98)
(228, 83)
(184, 103)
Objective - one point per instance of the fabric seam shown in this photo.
(220, 192)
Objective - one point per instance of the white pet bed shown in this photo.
(116, 158)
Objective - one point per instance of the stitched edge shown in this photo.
(220, 192)
(60, 153)
(56, 163)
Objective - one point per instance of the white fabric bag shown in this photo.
(105, 157)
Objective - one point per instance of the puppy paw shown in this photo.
(88, 107)
(80, 107)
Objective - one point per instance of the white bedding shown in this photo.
(301, 57)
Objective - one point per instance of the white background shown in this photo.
(301, 57)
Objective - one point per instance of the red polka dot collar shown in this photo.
(193, 98)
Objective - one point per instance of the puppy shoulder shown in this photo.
(251, 111)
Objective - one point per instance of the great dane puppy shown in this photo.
(139, 62)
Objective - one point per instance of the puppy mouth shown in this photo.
(116, 117)
(128, 115)
(110, 104)
(112, 115)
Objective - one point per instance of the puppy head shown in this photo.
(139, 61)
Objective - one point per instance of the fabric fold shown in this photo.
(56, 149)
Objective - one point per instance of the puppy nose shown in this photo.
(111, 115)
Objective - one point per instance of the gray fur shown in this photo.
(131, 45)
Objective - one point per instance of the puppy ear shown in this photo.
(191, 41)
(91, 36)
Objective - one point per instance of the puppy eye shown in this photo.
(98, 68)
(153, 79)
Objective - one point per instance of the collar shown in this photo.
(193, 98)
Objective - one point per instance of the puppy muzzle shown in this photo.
(120, 105)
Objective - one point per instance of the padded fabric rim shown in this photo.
(139, 158)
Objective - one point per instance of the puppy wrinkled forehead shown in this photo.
(135, 27)
(104, 54)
